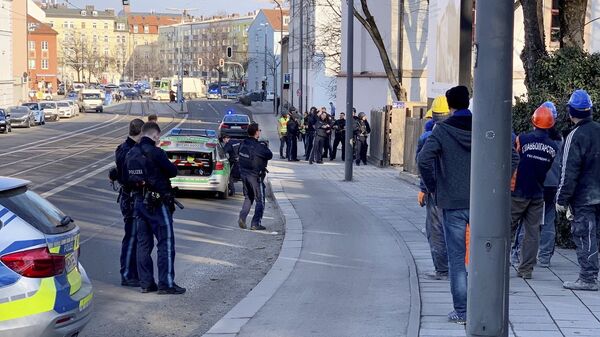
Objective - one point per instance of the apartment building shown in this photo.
(42, 60)
(6, 54)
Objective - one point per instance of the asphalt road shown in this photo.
(68, 161)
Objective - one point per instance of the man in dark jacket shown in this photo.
(232, 148)
(293, 131)
(362, 129)
(339, 127)
(254, 157)
(323, 130)
(129, 273)
(537, 152)
(310, 132)
(149, 171)
(579, 188)
(445, 167)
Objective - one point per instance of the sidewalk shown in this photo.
(260, 107)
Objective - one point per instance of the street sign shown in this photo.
(199, 62)
(298, 92)
(398, 105)
(287, 78)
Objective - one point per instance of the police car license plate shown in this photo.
(70, 261)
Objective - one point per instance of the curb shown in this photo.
(231, 324)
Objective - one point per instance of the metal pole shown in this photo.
(349, 92)
(487, 308)
(180, 84)
(280, 57)
(301, 64)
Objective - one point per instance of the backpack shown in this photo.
(136, 163)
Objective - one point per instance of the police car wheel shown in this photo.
(223, 195)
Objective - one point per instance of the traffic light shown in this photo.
(221, 63)
(229, 52)
(200, 62)
(264, 85)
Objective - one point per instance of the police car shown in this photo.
(202, 165)
(44, 291)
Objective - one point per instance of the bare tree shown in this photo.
(572, 22)
(535, 46)
(74, 53)
(367, 20)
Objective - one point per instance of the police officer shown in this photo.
(254, 157)
(129, 273)
(579, 189)
(149, 171)
(339, 127)
(282, 130)
(232, 148)
(361, 132)
(310, 132)
(323, 131)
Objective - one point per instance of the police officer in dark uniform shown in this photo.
(129, 273)
(254, 156)
(361, 132)
(310, 132)
(293, 131)
(323, 131)
(232, 148)
(339, 127)
(149, 171)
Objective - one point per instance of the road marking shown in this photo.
(215, 110)
(76, 181)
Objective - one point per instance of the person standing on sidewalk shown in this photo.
(361, 132)
(282, 130)
(254, 157)
(293, 131)
(311, 120)
(433, 221)
(579, 188)
(445, 167)
(323, 130)
(537, 152)
(339, 127)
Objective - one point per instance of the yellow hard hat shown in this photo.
(440, 105)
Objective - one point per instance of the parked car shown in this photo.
(235, 125)
(38, 112)
(21, 116)
(91, 100)
(74, 106)
(255, 96)
(130, 93)
(50, 110)
(270, 96)
(65, 109)
(45, 289)
(161, 95)
(5, 122)
(72, 95)
(202, 165)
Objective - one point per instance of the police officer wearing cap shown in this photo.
(149, 171)
(129, 273)
(254, 156)
(579, 188)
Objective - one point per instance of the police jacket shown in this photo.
(312, 120)
(536, 155)
(580, 172)
(323, 128)
(340, 127)
(254, 157)
(293, 128)
(232, 148)
(120, 154)
(361, 128)
(150, 166)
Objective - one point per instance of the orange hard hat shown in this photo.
(542, 118)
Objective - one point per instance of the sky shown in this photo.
(204, 7)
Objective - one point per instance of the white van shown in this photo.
(91, 100)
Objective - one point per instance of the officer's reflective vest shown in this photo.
(283, 125)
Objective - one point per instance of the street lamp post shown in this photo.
(487, 308)
(280, 56)
(349, 92)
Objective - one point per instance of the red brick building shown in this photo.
(42, 61)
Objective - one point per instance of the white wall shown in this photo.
(35, 11)
(6, 54)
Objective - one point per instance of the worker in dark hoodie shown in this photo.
(445, 167)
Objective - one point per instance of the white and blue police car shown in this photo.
(44, 291)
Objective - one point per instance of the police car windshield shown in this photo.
(34, 210)
(236, 119)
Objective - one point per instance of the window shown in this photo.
(31, 45)
(555, 23)
(106, 51)
(45, 64)
(120, 26)
(106, 25)
(45, 45)
(71, 24)
(51, 23)
(83, 25)
(94, 25)
(95, 13)
(83, 13)
(105, 38)
(95, 38)
(31, 64)
(146, 30)
(135, 29)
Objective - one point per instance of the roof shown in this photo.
(274, 18)
(66, 12)
(9, 183)
(40, 27)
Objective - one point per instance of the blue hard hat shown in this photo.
(580, 100)
(552, 108)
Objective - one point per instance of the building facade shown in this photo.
(264, 49)
(19, 40)
(6, 54)
(42, 55)
(207, 39)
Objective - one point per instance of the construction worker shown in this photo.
(433, 221)
(579, 188)
(537, 152)
(282, 131)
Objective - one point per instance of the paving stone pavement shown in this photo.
(538, 307)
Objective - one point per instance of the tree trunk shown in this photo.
(535, 47)
(572, 21)
(368, 22)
